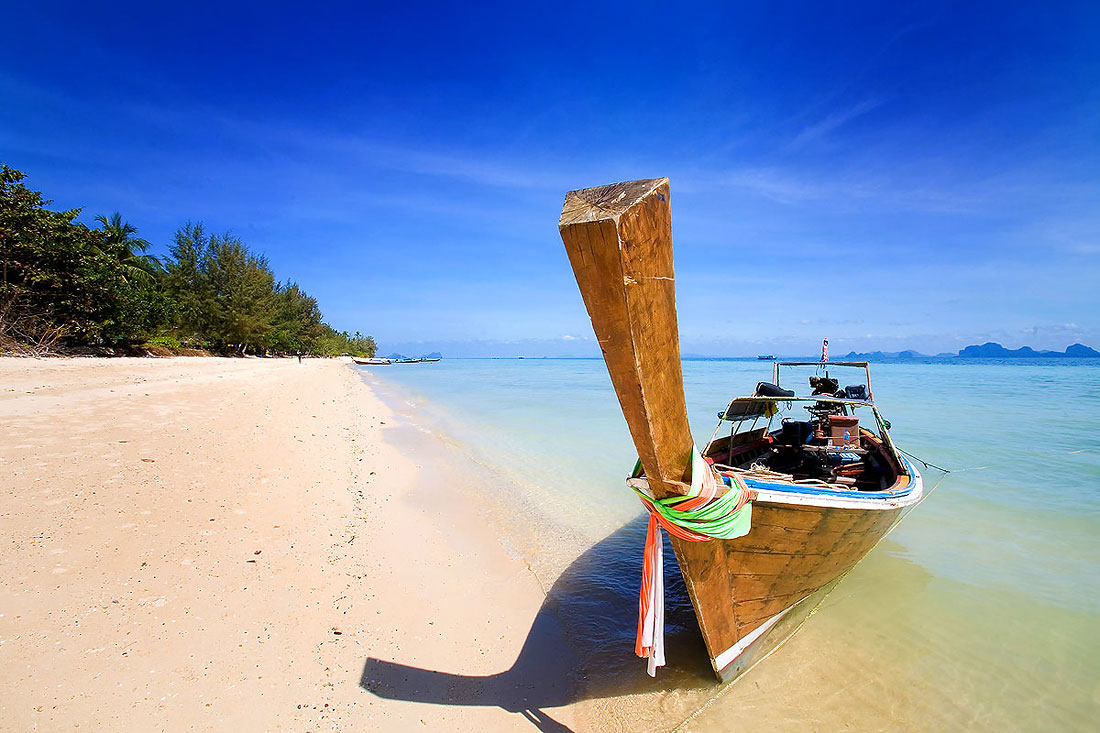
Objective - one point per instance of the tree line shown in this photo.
(65, 284)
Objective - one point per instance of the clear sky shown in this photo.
(888, 175)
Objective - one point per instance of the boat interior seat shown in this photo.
(767, 389)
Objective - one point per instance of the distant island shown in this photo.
(395, 356)
(871, 356)
(995, 350)
(988, 350)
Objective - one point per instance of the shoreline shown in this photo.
(897, 635)
(588, 574)
(370, 526)
(214, 542)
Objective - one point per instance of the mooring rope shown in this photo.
(946, 471)
(926, 463)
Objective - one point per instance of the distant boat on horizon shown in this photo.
(417, 359)
(766, 357)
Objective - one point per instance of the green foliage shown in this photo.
(59, 279)
(121, 241)
(170, 342)
(62, 280)
(334, 343)
(360, 345)
(186, 281)
(297, 320)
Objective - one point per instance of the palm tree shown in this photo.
(120, 237)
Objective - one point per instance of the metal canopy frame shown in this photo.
(880, 421)
(865, 365)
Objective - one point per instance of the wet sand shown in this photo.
(213, 544)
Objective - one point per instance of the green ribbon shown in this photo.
(715, 519)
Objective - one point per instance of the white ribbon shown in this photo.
(653, 628)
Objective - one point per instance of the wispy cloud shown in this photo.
(823, 127)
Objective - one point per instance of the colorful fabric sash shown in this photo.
(697, 517)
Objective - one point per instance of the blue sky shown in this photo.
(885, 175)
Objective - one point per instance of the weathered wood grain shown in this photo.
(619, 241)
(736, 585)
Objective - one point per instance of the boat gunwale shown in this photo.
(801, 495)
(786, 493)
(803, 398)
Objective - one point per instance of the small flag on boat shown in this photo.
(825, 351)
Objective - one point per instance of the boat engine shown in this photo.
(825, 386)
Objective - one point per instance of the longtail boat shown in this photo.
(817, 489)
(372, 361)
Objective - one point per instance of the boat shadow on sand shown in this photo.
(580, 646)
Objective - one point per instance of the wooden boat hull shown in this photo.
(750, 594)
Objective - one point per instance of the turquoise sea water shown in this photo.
(982, 609)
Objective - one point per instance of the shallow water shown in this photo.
(981, 609)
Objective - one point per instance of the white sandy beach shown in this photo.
(221, 544)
